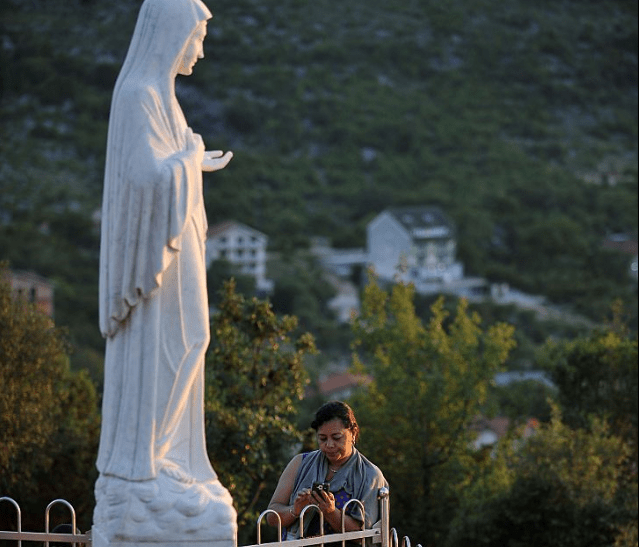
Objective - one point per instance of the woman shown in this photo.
(338, 463)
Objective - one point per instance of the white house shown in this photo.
(242, 246)
(414, 244)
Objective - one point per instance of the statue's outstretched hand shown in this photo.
(215, 160)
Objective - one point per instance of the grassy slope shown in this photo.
(335, 110)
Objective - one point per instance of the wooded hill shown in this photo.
(513, 116)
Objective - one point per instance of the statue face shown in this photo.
(194, 50)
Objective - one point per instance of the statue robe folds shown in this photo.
(153, 301)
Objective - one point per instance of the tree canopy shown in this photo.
(561, 487)
(430, 382)
(255, 379)
(596, 374)
(49, 421)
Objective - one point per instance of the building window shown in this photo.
(428, 218)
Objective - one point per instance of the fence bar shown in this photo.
(19, 514)
(46, 517)
(82, 539)
(361, 505)
(303, 513)
(259, 525)
(307, 542)
(394, 538)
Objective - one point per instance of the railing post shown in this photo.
(384, 499)
(303, 513)
(259, 525)
(394, 538)
(46, 518)
(361, 505)
(15, 504)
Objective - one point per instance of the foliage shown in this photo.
(222, 270)
(597, 375)
(522, 399)
(561, 487)
(495, 112)
(430, 382)
(43, 231)
(49, 423)
(255, 379)
(302, 289)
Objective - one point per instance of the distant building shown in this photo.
(242, 246)
(416, 245)
(340, 385)
(34, 289)
(489, 431)
(340, 262)
(623, 243)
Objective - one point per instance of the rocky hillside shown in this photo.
(514, 116)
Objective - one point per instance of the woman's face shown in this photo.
(335, 441)
(194, 50)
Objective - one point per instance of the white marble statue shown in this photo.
(156, 483)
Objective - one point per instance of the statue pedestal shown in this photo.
(99, 540)
(163, 512)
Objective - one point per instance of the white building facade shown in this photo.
(416, 245)
(242, 246)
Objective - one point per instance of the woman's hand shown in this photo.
(215, 160)
(325, 501)
(302, 499)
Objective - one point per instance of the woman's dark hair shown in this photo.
(63, 529)
(336, 409)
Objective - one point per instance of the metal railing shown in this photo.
(46, 536)
(381, 533)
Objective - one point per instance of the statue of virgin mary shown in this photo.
(152, 459)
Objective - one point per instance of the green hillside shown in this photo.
(513, 116)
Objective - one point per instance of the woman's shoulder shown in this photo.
(297, 460)
(371, 469)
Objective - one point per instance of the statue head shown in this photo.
(167, 39)
(193, 50)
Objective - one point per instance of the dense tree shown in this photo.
(597, 375)
(430, 382)
(255, 379)
(494, 115)
(222, 270)
(49, 419)
(302, 289)
(561, 487)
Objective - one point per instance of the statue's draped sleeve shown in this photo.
(153, 186)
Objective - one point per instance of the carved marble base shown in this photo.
(163, 512)
(98, 540)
